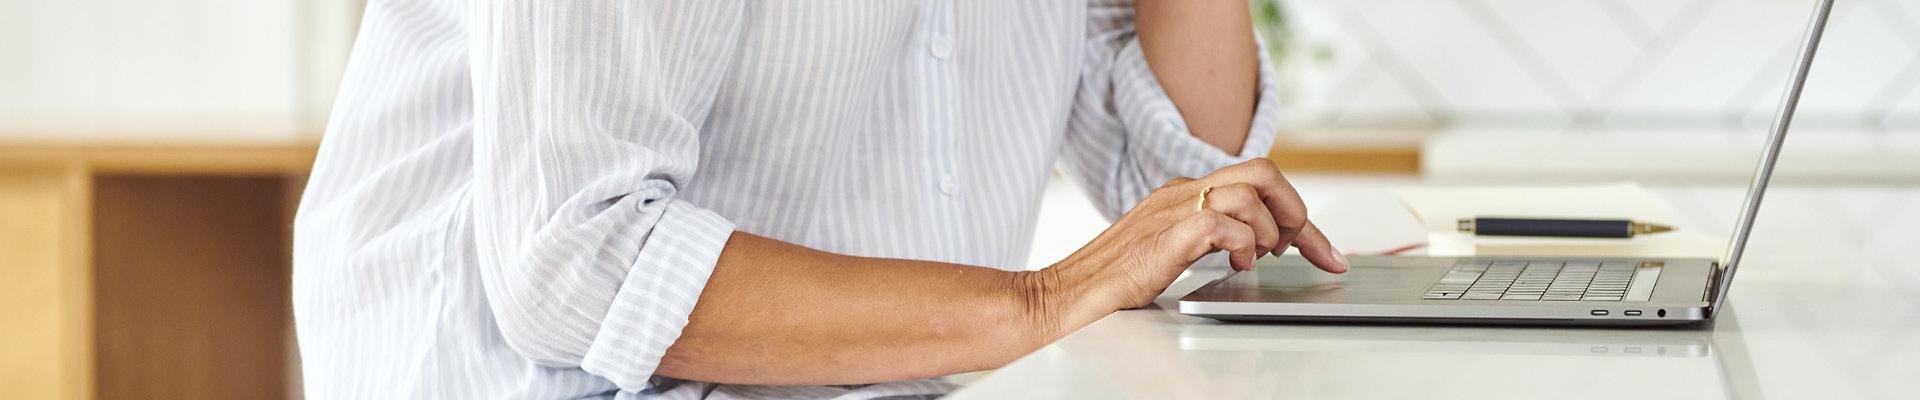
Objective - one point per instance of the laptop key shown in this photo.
(1536, 280)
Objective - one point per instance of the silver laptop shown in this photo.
(1522, 290)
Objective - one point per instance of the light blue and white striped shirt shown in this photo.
(524, 199)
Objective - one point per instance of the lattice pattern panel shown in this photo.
(1600, 64)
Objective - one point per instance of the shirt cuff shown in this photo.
(1164, 148)
(659, 292)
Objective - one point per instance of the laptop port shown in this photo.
(1633, 313)
(1599, 312)
(1662, 313)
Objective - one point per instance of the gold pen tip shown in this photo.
(1651, 228)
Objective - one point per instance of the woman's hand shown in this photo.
(1249, 210)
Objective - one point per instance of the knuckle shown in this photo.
(1292, 208)
(1171, 239)
(1262, 167)
(1245, 241)
(1290, 221)
(1234, 243)
(1271, 241)
(1238, 194)
(1245, 244)
(1270, 167)
(1206, 221)
(1273, 176)
(1234, 228)
(1239, 189)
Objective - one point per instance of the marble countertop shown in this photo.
(1828, 307)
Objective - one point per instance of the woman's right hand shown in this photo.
(1249, 211)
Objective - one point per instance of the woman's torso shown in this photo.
(922, 129)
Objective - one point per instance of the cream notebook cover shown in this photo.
(1440, 208)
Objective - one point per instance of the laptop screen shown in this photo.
(1783, 119)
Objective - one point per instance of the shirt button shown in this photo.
(941, 47)
(948, 185)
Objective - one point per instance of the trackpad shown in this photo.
(1293, 280)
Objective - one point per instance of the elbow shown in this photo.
(525, 316)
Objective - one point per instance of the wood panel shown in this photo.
(1368, 153)
(159, 158)
(192, 278)
(45, 308)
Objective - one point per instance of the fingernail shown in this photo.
(1342, 258)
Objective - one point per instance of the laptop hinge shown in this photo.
(1714, 287)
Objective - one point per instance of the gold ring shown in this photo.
(1202, 205)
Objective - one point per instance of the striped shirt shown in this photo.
(525, 199)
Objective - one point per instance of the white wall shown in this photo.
(148, 68)
(268, 68)
(1604, 64)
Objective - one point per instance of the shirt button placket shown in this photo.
(940, 47)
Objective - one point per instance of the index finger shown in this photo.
(1314, 246)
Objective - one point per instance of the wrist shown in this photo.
(1037, 294)
(1060, 299)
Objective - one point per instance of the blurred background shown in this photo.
(151, 151)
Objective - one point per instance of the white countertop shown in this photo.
(1828, 306)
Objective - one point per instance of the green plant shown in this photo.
(1270, 21)
(1293, 54)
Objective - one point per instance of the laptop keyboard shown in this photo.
(1525, 280)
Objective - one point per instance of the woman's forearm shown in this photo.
(1204, 55)
(782, 314)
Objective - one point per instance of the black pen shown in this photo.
(1583, 228)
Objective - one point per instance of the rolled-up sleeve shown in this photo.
(586, 119)
(1124, 135)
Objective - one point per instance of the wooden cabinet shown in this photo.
(148, 271)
